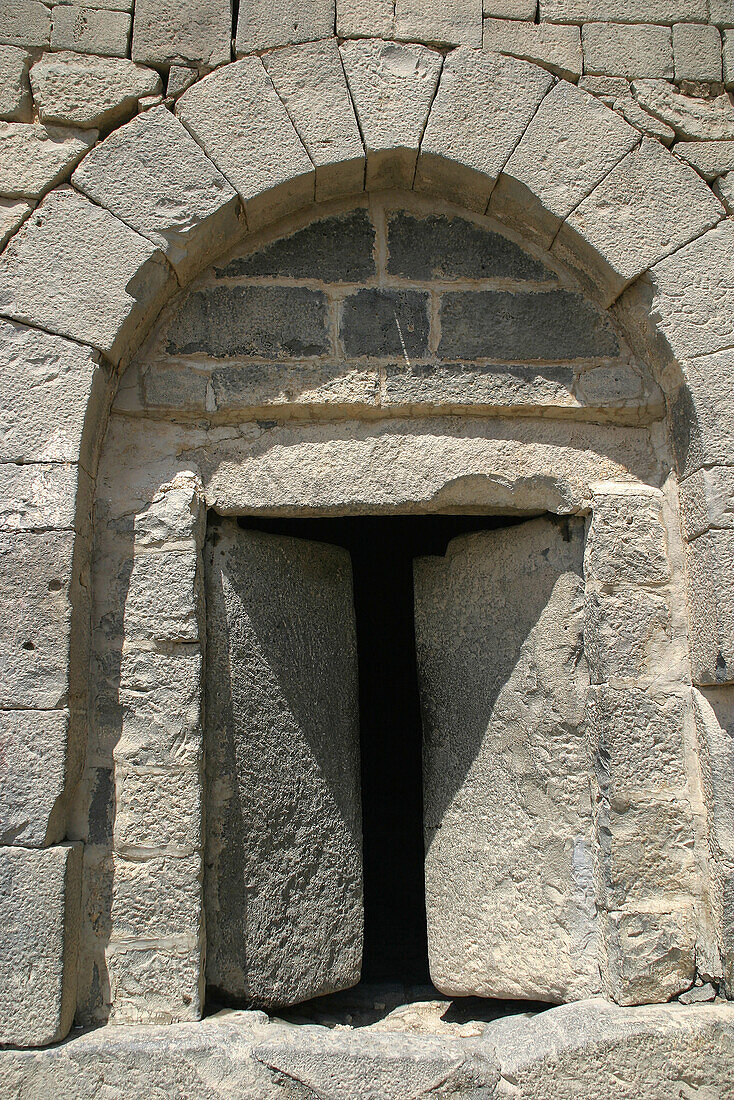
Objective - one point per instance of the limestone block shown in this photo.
(139, 826)
(710, 559)
(25, 23)
(707, 500)
(646, 123)
(392, 87)
(34, 158)
(310, 80)
(511, 9)
(182, 32)
(262, 25)
(509, 883)
(154, 177)
(647, 853)
(105, 5)
(159, 984)
(704, 119)
(723, 188)
(714, 724)
(39, 495)
(270, 385)
(646, 208)
(709, 158)
(235, 114)
(13, 212)
(90, 30)
(39, 894)
(47, 387)
(455, 24)
(137, 885)
(180, 77)
(728, 58)
(161, 601)
(78, 271)
(629, 637)
(627, 540)
(651, 956)
(75, 90)
(15, 93)
(631, 51)
(483, 106)
(33, 745)
(696, 52)
(624, 11)
(571, 144)
(702, 430)
(557, 48)
(365, 18)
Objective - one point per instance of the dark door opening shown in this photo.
(382, 549)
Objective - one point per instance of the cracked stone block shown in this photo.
(691, 118)
(160, 984)
(239, 120)
(33, 744)
(153, 176)
(696, 52)
(632, 51)
(181, 32)
(385, 323)
(392, 86)
(723, 188)
(90, 30)
(25, 23)
(651, 955)
(483, 106)
(555, 47)
(75, 90)
(34, 158)
(709, 158)
(310, 80)
(180, 77)
(267, 385)
(455, 24)
(15, 92)
(262, 24)
(40, 897)
(13, 212)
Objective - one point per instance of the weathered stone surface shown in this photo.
(701, 422)
(709, 158)
(76, 270)
(707, 500)
(571, 144)
(706, 119)
(629, 637)
(33, 745)
(666, 202)
(554, 47)
(455, 24)
(154, 177)
(262, 25)
(723, 188)
(273, 322)
(616, 92)
(621, 50)
(625, 11)
(710, 557)
(41, 495)
(182, 31)
(650, 956)
(510, 9)
(75, 90)
(627, 540)
(15, 93)
(696, 52)
(365, 18)
(509, 884)
(139, 827)
(521, 325)
(39, 893)
(483, 106)
(728, 57)
(648, 853)
(392, 87)
(385, 323)
(89, 30)
(13, 212)
(237, 117)
(180, 77)
(281, 686)
(136, 897)
(25, 23)
(155, 984)
(34, 158)
(310, 80)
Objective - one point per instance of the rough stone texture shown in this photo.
(365, 18)
(482, 108)
(571, 144)
(709, 158)
(283, 769)
(13, 213)
(154, 177)
(728, 58)
(455, 24)
(310, 80)
(649, 954)
(554, 47)
(39, 893)
(237, 117)
(33, 747)
(76, 270)
(620, 50)
(182, 31)
(723, 188)
(385, 323)
(696, 52)
(616, 92)
(392, 87)
(509, 882)
(665, 201)
(89, 30)
(180, 77)
(34, 158)
(711, 119)
(25, 23)
(711, 607)
(15, 94)
(511, 9)
(624, 11)
(262, 24)
(75, 90)
(707, 500)
(38, 496)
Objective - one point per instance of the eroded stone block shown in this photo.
(197, 32)
(34, 158)
(15, 92)
(455, 24)
(25, 23)
(74, 90)
(627, 539)
(631, 51)
(262, 24)
(557, 48)
(651, 956)
(695, 119)
(696, 52)
(89, 30)
(33, 747)
(385, 323)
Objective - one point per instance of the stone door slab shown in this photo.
(508, 825)
(283, 887)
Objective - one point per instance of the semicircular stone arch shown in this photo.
(159, 199)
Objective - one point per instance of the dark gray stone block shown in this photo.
(335, 250)
(462, 384)
(385, 322)
(279, 322)
(441, 247)
(490, 324)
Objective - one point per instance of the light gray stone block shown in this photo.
(650, 955)
(136, 909)
(629, 637)
(78, 271)
(39, 893)
(35, 496)
(702, 428)
(511, 9)
(714, 712)
(310, 80)
(624, 11)
(180, 77)
(707, 500)
(667, 203)
(723, 188)
(509, 882)
(181, 32)
(709, 158)
(25, 23)
(365, 18)
(140, 830)
(235, 114)
(281, 686)
(13, 212)
(262, 24)
(704, 119)
(728, 57)
(696, 52)
(34, 754)
(105, 5)
(631, 51)
(627, 541)
(711, 604)
(75, 90)
(154, 177)
(648, 857)
(161, 599)
(156, 984)
(572, 142)
(15, 93)
(555, 47)
(34, 158)
(392, 86)
(455, 24)
(483, 106)
(90, 30)
(616, 92)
